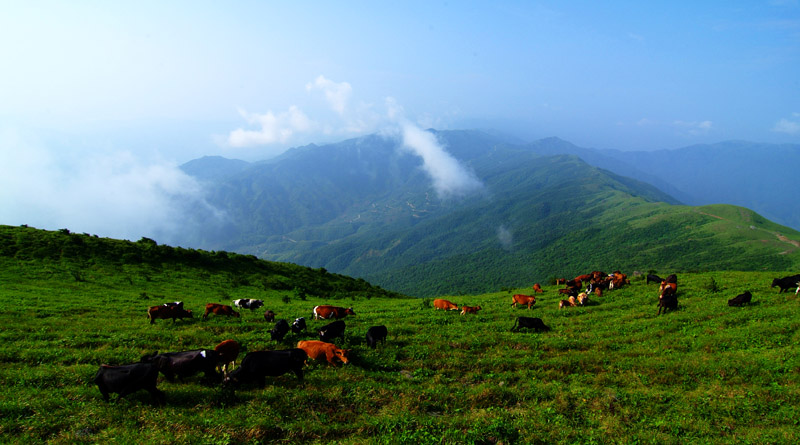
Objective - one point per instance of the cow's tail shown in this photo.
(516, 320)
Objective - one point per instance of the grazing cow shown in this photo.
(227, 353)
(298, 325)
(537, 289)
(667, 300)
(256, 366)
(219, 309)
(786, 283)
(526, 300)
(376, 334)
(470, 309)
(167, 311)
(127, 379)
(741, 299)
(582, 278)
(331, 330)
(248, 303)
(185, 363)
(583, 298)
(444, 305)
(316, 349)
(654, 278)
(618, 279)
(326, 312)
(269, 316)
(280, 330)
(529, 323)
(567, 303)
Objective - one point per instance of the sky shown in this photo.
(101, 101)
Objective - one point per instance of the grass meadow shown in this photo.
(609, 372)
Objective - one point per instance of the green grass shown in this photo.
(610, 372)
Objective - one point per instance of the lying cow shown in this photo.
(529, 323)
(256, 366)
(582, 299)
(248, 303)
(446, 305)
(219, 309)
(280, 330)
(654, 278)
(127, 379)
(326, 312)
(537, 289)
(298, 325)
(525, 300)
(167, 311)
(186, 364)
(567, 303)
(316, 349)
(741, 299)
(227, 353)
(331, 330)
(786, 283)
(376, 334)
(470, 309)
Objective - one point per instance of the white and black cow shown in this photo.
(187, 363)
(257, 365)
(298, 325)
(127, 379)
(248, 303)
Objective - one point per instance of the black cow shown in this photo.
(740, 299)
(257, 365)
(667, 300)
(248, 303)
(529, 323)
(186, 364)
(672, 278)
(786, 283)
(331, 330)
(127, 379)
(298, 325)
(174, 303)
(280, 330)
(655, 279)
(376, 334)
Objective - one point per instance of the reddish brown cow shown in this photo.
(470, 309)
(317, 349)
(567, 303)
(325, 312)
(227, 351)
(583, 278)
(537, 289)
(219, 309)
(665, 285)
(444, 305)
(167, 311)
(528, 300)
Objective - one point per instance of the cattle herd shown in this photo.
(257, 365)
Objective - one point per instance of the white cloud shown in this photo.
(337, 94)
(449, 177)
(275, 128)
(113, 195)
(694, 128)
(788, 126)
(505, 237)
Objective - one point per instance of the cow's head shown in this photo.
(343, 355)
(349, 311)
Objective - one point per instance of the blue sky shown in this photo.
(160, 83)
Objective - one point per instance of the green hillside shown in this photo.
(609, 372)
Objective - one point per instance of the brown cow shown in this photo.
(470, 309)
(227, 352)
(325, 312)
(219, 309)
(665, 285)
(567, 303)
(269, 316)
(583, 298)
(444, 305)
(166, 312)
(528, 300)
(317, 349)
(537, 289)
(583, 278)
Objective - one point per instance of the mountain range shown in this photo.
(368, 208)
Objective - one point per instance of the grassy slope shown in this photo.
(609, 372)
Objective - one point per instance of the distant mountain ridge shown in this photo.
(365, 208)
